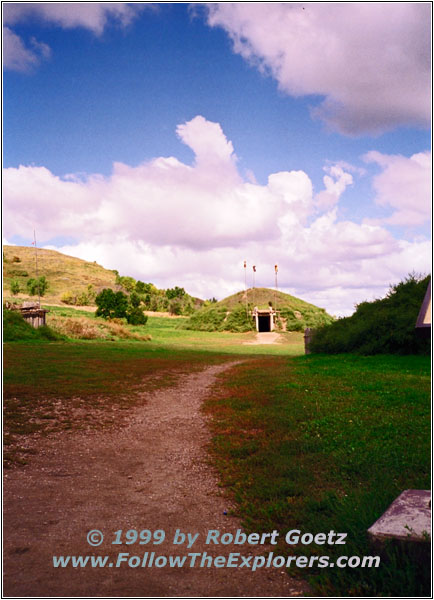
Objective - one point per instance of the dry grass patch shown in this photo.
(92, 329)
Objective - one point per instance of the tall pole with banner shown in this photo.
(245, 288)
(36, 268)
(275, 291)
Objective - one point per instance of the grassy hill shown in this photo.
(63, 273)
(76, 282)
(230, 314)
(261, 297)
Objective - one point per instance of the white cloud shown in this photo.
(94, 16)
(370, 61)
(335, 183)
(91, 15)
(403, 185)
(208, 142)
(18, 57)
(174, 224)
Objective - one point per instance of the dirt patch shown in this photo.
(150, 474)
(267, 337)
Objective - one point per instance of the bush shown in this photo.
(14, 287)
(135, 316)
(207, 319)
(385, 326)
(68, 298)
(37, 286)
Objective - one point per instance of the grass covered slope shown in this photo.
(63, 273)
(385, 326)
(230, 314)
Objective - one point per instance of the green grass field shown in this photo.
(322, 443)
(309, 442)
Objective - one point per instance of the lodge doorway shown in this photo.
(264, 323)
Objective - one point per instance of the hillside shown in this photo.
(63, 273)
(76, 282)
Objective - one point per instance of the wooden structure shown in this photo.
(308, 333)
(31, 312)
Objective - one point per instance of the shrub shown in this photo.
(68, 298)
(135, 316)
(37, 286)
(16, 259)
(385, 326)
(15, 287)
(207, 319)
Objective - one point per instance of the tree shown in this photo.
(175, 307)
(15, 287)
(134, 300)
(128, 283)
(111, 304)
(143, 288)
(175, 292)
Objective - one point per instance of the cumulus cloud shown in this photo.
(335, 183)
(94, 16)
(370, 61)
(404, 185)
(175, 224)
(208, 142)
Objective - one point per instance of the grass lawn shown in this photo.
(323, 443)
(168, 332)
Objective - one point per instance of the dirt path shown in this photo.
(151, 475)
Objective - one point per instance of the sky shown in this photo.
(173, 142)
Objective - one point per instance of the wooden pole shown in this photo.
(37, 274)
(275, 291)
(245, 288)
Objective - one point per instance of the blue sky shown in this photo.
(255, 104)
